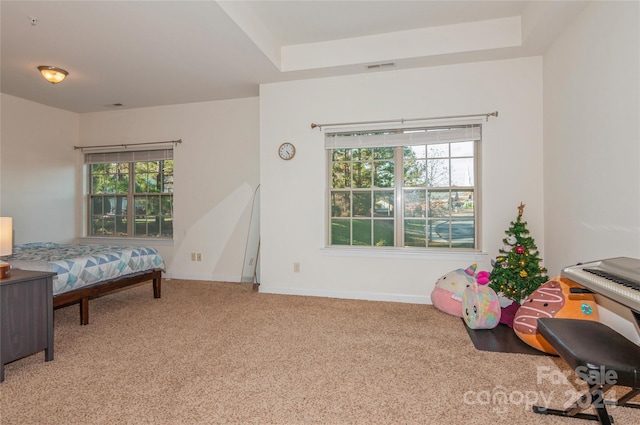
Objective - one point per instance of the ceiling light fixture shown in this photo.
(52, 74)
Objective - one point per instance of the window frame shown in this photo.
(130, 159)
(399, 190)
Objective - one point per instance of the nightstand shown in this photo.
(26, 316)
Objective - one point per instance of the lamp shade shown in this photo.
(52, 74)
(6, 235)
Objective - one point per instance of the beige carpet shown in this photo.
(219, 353)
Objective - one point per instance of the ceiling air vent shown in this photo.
(381, 65)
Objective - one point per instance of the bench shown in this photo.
(601, 357)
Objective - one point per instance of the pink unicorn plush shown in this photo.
(447, 294)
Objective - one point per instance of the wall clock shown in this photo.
(287, 150)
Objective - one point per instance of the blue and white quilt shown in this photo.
(81, 265)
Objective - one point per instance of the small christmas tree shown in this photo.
(516, 271)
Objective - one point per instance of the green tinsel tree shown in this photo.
(516, 271)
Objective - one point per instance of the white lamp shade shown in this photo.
(6, 235)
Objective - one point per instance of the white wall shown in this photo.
(216, 173)
(591, 189)
(592, 138)
(293, 222)
(38, 170)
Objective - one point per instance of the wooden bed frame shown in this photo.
(82, 295)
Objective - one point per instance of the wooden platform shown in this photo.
(501, 339)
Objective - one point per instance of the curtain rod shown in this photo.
(174, 142)
(403, 120)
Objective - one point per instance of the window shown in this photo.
(130, 193)
(404, 187)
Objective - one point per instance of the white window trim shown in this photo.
(406, 253)
(118, 240)
(117, 155)
(476, 130)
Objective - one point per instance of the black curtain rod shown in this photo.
(126, 145)
(403, 120)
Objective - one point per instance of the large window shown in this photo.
(405, 188)
(130, 194)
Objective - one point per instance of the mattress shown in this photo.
(77, 266)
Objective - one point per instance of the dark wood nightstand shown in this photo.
(26, 316)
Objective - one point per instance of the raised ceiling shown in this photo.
(152, 53)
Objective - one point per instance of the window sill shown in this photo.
(405, 253)
(126, 241)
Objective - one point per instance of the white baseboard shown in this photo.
(188, 276)
(351, 295)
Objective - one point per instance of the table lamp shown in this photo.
(6, 244)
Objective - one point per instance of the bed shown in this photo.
(88, 271)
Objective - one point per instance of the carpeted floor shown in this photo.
(219, 353)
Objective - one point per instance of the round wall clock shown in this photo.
(287, 150)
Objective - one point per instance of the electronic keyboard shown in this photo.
(615, 278)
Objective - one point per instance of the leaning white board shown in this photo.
(250, 270)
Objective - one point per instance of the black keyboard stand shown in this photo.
(601, 357)
(580, 291)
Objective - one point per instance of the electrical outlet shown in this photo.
(193, 256)
(251, 262)
(296, 267)
(198, 256)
